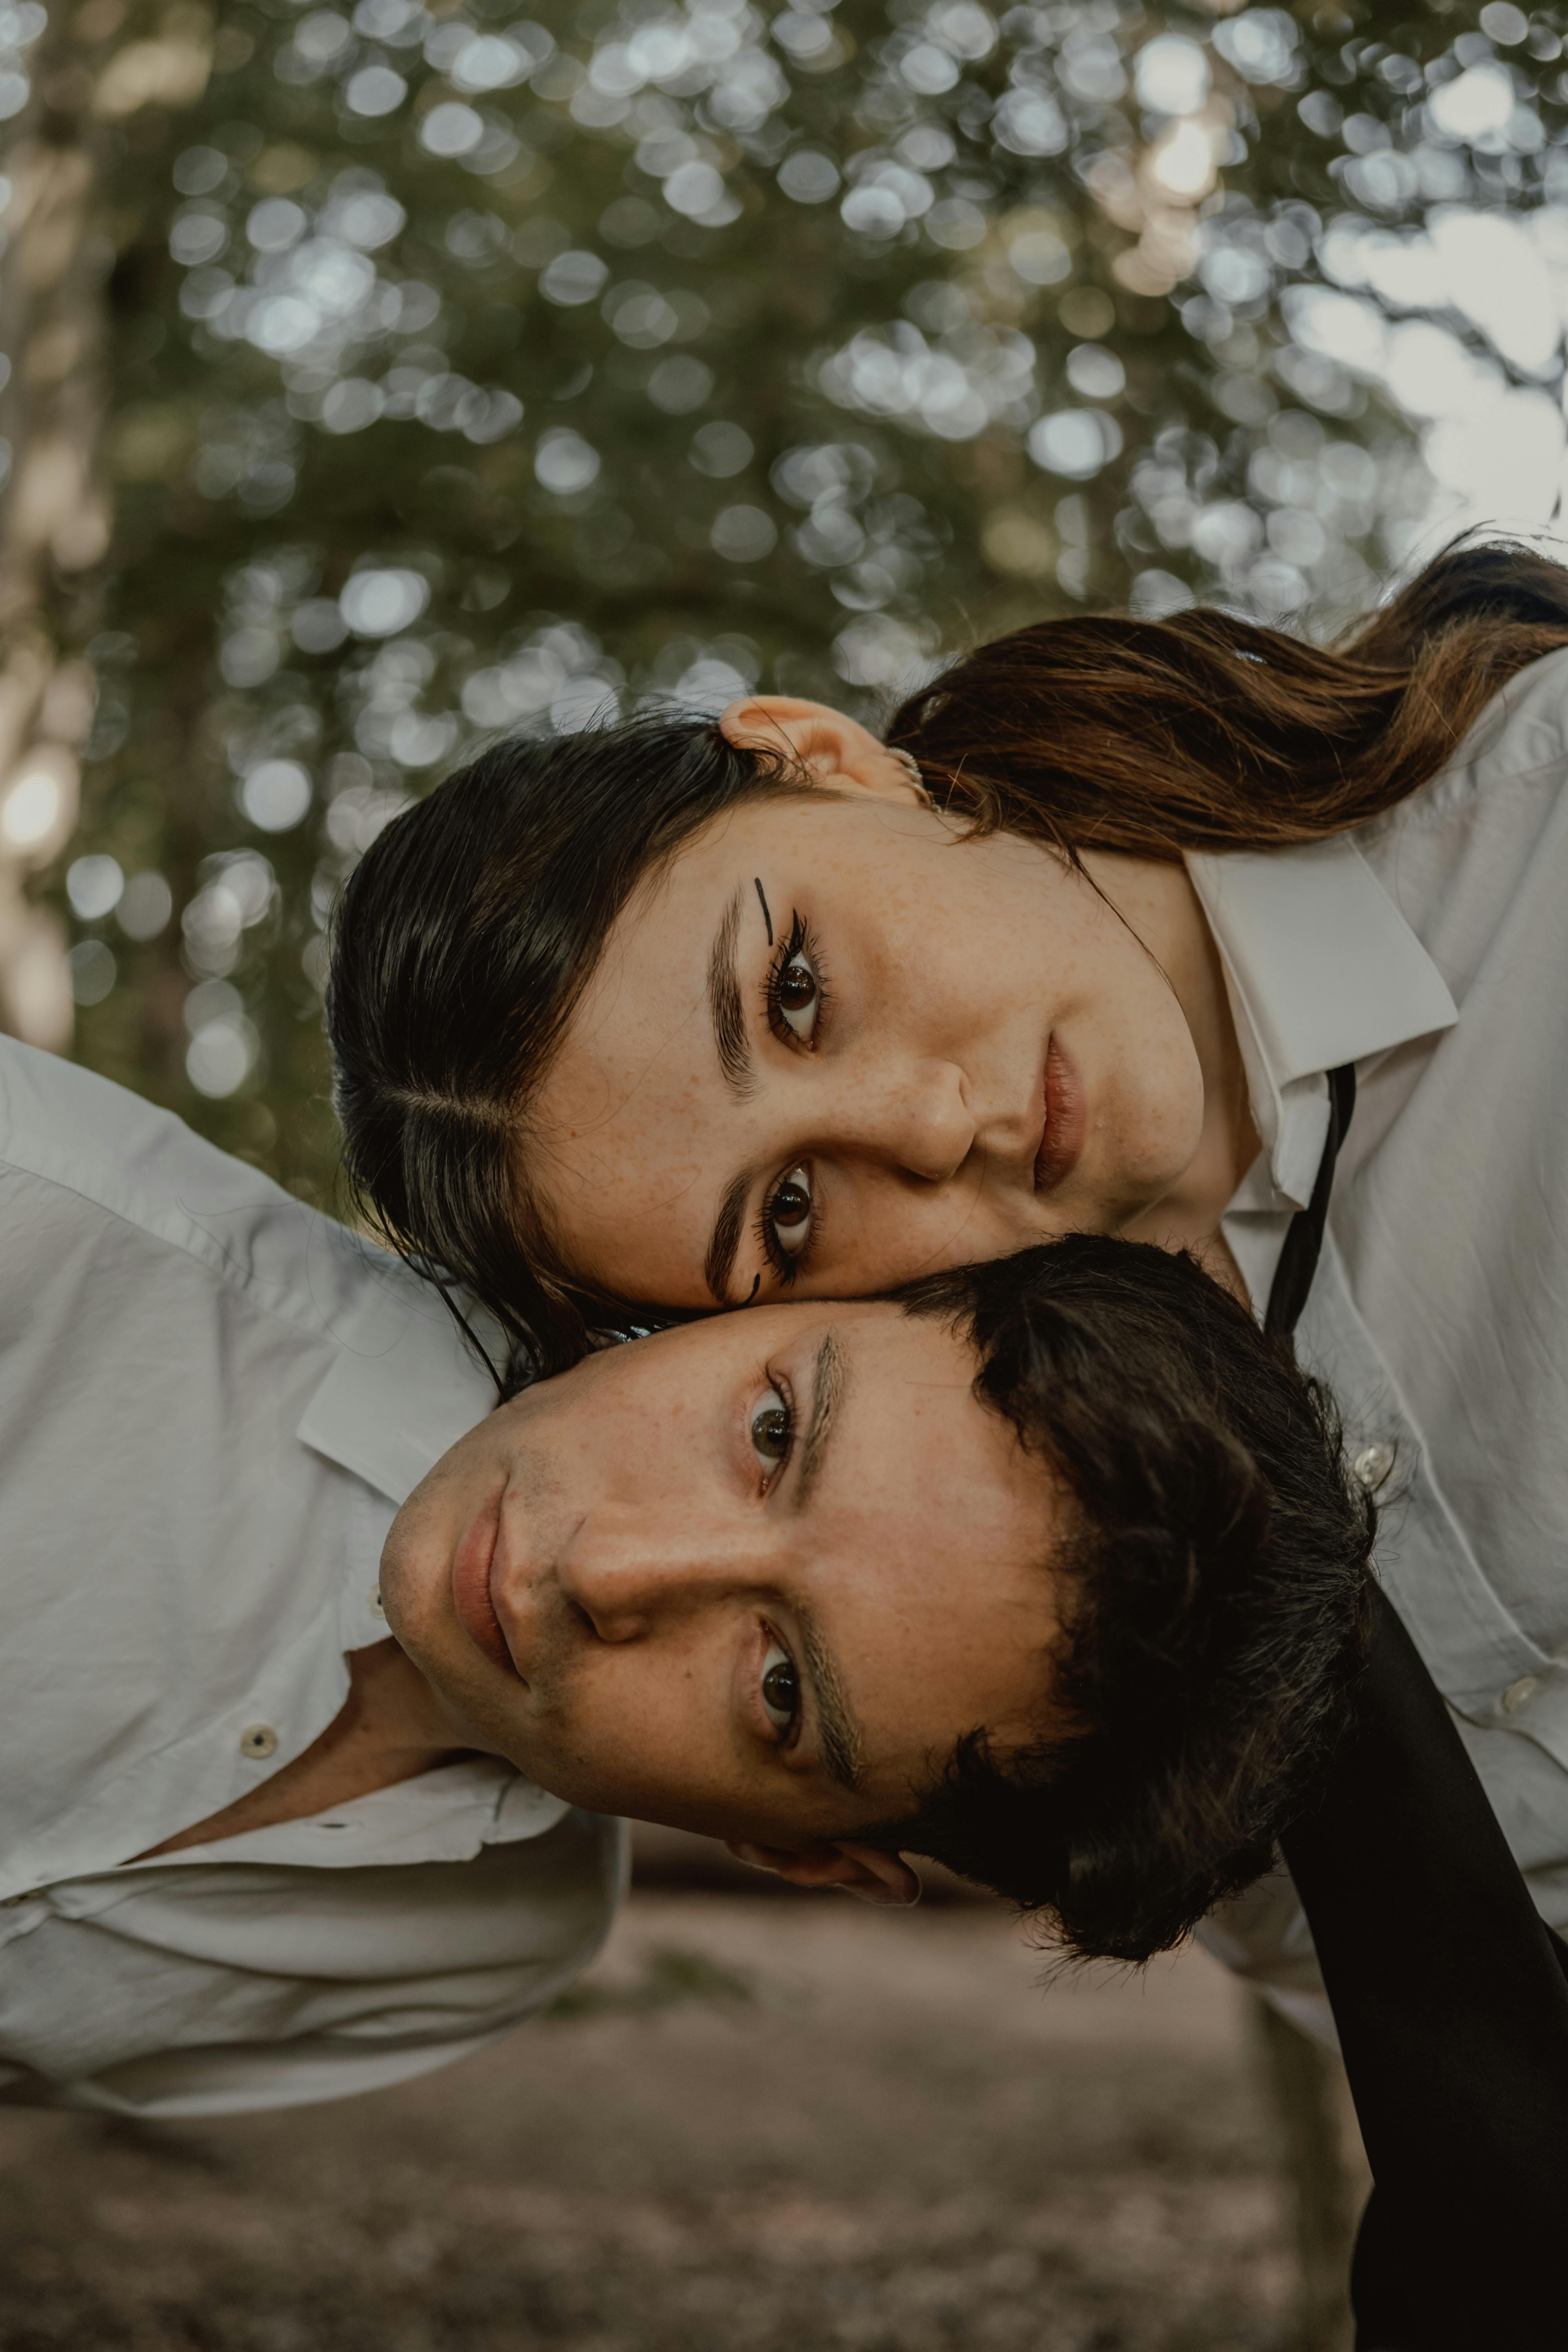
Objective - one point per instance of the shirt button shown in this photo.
(258, 1739)
(1372, 1464)
(375, 1602)
(1519, 1695)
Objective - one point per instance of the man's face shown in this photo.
(753, 1577)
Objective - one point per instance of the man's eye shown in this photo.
(789, 1212)
(773, 1431)
(796, 998)
(781, 1688)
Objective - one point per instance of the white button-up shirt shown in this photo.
(1431, 948)
(212, 1401)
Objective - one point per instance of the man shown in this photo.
(1050, 1569)
(211, 1403)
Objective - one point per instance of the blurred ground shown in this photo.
(762, 2124)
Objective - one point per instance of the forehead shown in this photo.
(927, 1545)
(631, 1129)
(639, 1043)
(915, 1445)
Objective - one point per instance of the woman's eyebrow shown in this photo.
(724, 1006)
(725, 1239)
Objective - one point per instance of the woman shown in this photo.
(679, 1015)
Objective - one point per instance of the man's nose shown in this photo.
(917, 1119)
(630, 1566)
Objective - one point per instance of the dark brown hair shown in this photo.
(1210, 1594)
(1206, 731)
(465, 936)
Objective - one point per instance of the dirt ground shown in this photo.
(761, 2126)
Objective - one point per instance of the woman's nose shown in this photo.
(629, 1566)
(918, 1119)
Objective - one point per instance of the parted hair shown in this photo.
(463, 941)
(1211, 1586)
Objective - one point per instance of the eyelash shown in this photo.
(785, 1266)
(801, 942)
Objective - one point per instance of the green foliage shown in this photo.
(473, 373)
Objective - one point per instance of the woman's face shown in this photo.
(832, 1047)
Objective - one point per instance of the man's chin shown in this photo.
(399, 1582)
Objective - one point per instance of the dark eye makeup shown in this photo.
(795, 994)
(789, 1208)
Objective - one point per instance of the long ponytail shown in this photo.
(1205, 731)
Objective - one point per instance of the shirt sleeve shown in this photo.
(219, 1988)
(1262, 1936)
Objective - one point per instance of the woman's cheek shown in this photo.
(1145, 1113)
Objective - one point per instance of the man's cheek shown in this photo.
(612, 1760)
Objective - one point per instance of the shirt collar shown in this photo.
(404, 1386)
(447, 1814)
(1320, 968)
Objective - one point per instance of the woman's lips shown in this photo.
(473, 1564)
(1063, 1137)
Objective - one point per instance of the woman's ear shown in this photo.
(862, 1870)
(831, 749)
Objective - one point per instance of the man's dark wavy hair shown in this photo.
(1211, 1581)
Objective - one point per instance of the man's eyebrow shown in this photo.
(829, 1383)
(724, 1004)
(725, 1239)
(842, 1741)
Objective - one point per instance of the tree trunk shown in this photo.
(56, 520)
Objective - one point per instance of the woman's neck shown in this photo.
(1159, 904)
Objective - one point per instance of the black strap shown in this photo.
(1304, 1239)
(1452, 2010)
(1446, 1989)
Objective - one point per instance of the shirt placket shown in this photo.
(1481, 1659)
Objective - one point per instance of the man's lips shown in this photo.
(473, 1563)
(1063, 1137)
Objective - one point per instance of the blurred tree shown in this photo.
(54, 526)
(473, 373)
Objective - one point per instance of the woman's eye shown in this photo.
(773, 1431)
(796, 998)
(797, 993)
(781, 1688)
(789, 1212)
